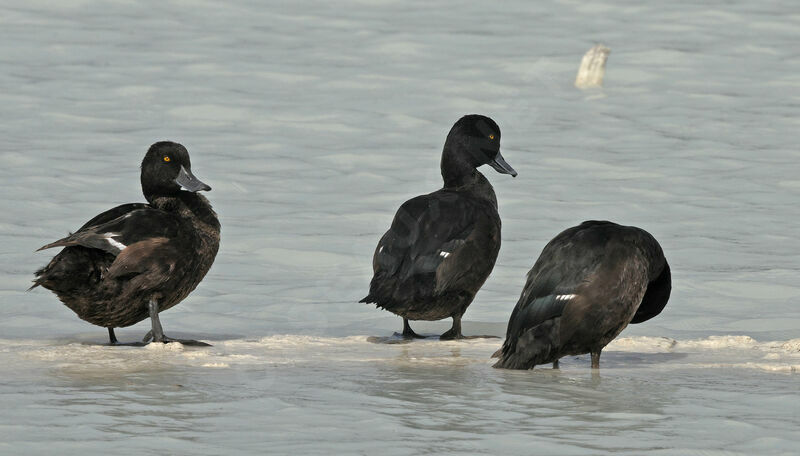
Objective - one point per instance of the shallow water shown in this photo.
(312, 123)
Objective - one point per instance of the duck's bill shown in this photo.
(187, 180)
(501, 166)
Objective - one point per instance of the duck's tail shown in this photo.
(533, 347)
(384, 304)
(39, 280)
(51, 276)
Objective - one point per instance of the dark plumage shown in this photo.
(135, 260)
(589, 282)
(442, 246)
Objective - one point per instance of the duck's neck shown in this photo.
(456, 171)
(475, 183)
(190, 206)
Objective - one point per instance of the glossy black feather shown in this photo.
(584, 289)
(113, 213)
(438, 252)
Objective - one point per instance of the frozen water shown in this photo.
(313, 121)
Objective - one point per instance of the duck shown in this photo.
(136, 260)
(442, 246)
(587, 285)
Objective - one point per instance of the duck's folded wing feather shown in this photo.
(425, 233)
(554, 281)
(145, 264)
(540, 302)
(117, 234)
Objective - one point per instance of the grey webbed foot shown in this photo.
(164, 339)
(156, 334)
(411, 336)
(112, 341)
(453, 333)
(409, 333)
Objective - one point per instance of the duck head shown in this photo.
(472, 142)
(167, 170)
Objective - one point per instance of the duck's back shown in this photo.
(116, 262)
(440, 245)
(589, 282)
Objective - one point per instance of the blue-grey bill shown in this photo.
(501, 166)
(187, 180)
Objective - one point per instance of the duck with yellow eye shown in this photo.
(136, 260)
(441, 247)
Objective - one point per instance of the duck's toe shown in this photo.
(451, 334)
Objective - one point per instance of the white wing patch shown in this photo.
(110, 238)
(444, 254)
(380, 249)
(566, 297)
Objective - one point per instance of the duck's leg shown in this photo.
(112, 338)
(596, 359)
(454, 332)
(157, 332)
(555, 364)
(409, 333)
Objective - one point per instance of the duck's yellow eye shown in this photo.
(491, 136)
(166, 159)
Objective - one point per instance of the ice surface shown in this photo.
(313, 121)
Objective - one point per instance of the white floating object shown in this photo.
(593, 67)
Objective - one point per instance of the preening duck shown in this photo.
(442, 246)
(589, 282)
(136, 260)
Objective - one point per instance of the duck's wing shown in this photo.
(432, 241)
(552, 283)
(133, 223)
(567, 263)
(111, 214)
(145, 264)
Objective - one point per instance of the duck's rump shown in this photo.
(75, 275)
(582, 292)
(435, 286)
(416, 300)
